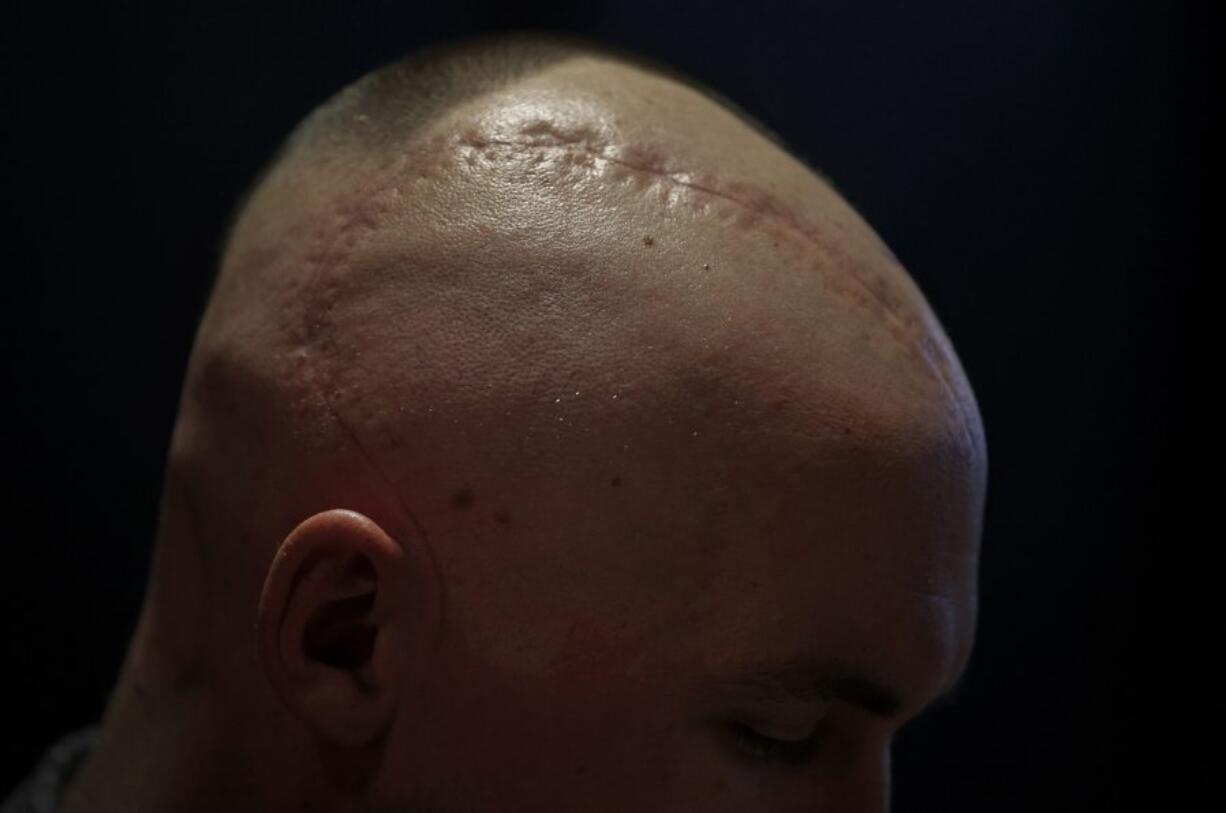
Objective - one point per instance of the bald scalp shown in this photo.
(531, 284)
(387, 107)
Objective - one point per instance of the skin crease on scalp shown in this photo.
(644, 403)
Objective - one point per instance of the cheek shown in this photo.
(578, 742)
(493, 742)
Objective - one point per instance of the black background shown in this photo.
(1036, 166)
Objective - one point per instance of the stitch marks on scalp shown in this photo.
(316, 347)
(585, 148)
(546, 149)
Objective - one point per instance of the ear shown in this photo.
(330, 622)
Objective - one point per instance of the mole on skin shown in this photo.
(463, 499)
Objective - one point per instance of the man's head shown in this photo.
(551, 438)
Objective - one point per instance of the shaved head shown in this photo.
(641, 410)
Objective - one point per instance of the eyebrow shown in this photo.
(807, 681)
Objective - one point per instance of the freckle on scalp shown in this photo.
(649, 240)
(462, 500)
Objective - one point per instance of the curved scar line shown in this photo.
(782, 217)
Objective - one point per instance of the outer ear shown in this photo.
(330, 620)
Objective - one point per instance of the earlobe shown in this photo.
(329, 622)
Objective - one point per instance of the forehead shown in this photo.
(863, 552)
(774, 536)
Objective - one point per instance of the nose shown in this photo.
(879, 799)
(860, 785)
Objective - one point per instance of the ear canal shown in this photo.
(339, 634)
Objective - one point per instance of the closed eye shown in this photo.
(762, 749)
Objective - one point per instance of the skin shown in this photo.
(509, 451)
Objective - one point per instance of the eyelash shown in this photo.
(767, 749)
